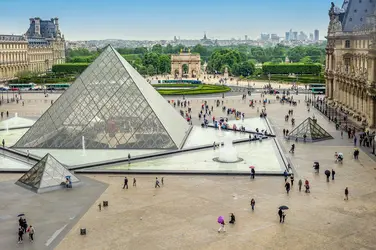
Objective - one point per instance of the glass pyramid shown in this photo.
(46, 175)
(310, 130)
(110, 105)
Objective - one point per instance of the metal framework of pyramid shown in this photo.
(312, 130)
(110, 105)
(46, 175)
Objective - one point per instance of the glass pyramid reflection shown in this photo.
(112, 106)
(310, 130)
(48, 174)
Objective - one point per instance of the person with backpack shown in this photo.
(31, 232)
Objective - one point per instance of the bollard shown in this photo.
(105, 203)
(83, 231)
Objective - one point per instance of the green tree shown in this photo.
(244, 69)
(151, 70)
(306, 60)
(157, 49)
(185, 69)
(203, 51)
(164, 64)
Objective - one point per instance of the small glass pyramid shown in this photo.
(110, 105)
(309, 131)
(47, 174)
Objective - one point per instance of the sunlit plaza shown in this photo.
(221, 142)
(182, 213)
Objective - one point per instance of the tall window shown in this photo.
(347, 44)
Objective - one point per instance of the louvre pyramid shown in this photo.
(112, 106)
(46, 175)
(312, 130)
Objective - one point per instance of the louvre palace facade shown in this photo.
(37, 50)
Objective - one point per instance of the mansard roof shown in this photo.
(355, 13)
(47, 29)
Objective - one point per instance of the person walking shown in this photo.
(125, 182)
(346, 193)
(222, 227)
(287, 186)
(157, 182)
(253, 172)
(31, 232)
(134, 182)
(292, 149)
(285, 174)
(162, 181)
(300, 183)
(333, 173)
(20, 234)
(292, 180)
(3, 143)
(327, 173)
(280, 213)
(129, 158)
(253, 203)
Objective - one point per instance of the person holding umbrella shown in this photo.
(333, 173)
(327, 173)
(281, 214)
(221, 221)
(252, 172)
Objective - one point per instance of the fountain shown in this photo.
(83, 146)
(227, 153)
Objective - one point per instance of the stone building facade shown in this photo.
(37, 50)
(193, 61)
(351, 60)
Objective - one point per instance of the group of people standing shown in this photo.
(23, 228)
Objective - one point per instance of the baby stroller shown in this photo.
(316, 166)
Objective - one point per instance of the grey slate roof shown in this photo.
(47, 29)
(355, 13)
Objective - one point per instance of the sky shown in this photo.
(164, 19)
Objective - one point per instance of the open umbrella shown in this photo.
(283, 207)
(20, 215)
(220, 219)
(327, 172)
(340, 154)
(251, 166)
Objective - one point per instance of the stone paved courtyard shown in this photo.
(182, 214)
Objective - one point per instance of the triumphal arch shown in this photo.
(185, 64)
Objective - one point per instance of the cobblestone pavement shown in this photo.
(182, 214)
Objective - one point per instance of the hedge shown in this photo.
(70, 68)
(291, 68)
(199, 89)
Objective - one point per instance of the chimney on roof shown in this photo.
(57, 23)
(31, 20)
(37, 26)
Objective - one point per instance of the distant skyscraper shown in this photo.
(317, 35)
(287, 36)
(302, 36)
(274, 38)
(311, 36)
(265, 36)
(246, 37)
(294, 36)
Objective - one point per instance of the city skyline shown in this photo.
(164, 20)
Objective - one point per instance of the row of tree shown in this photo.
(239, 60)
